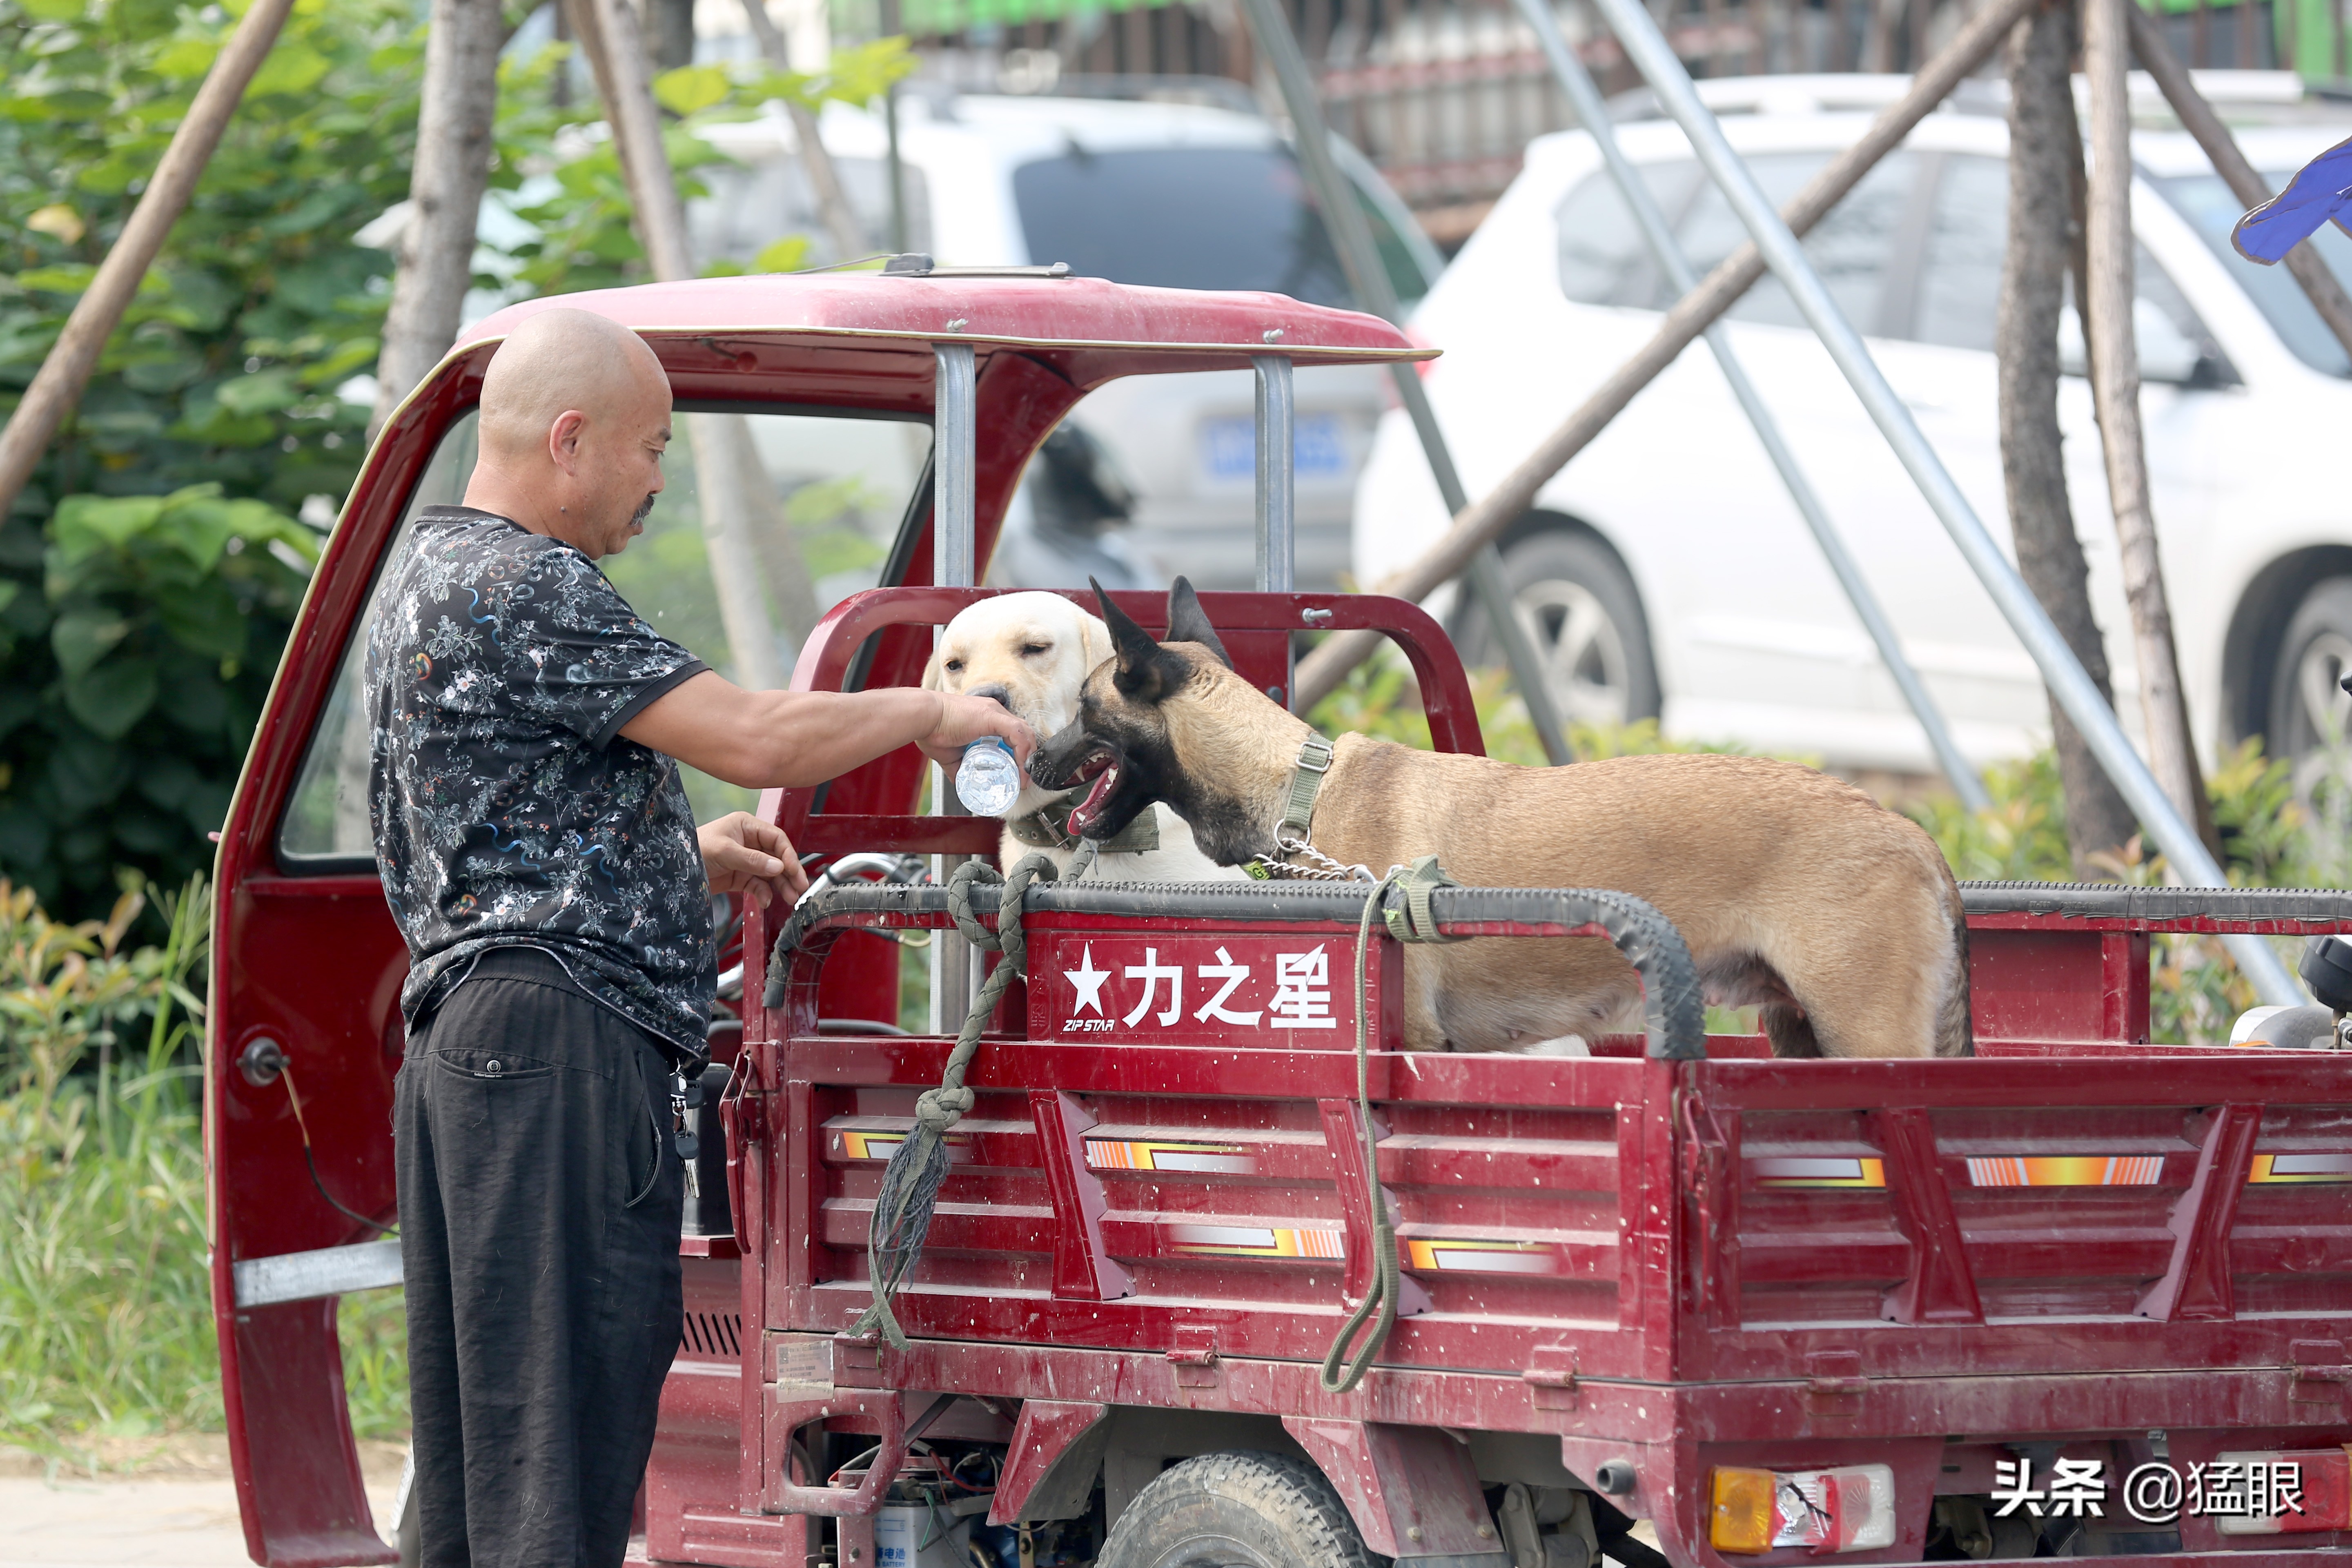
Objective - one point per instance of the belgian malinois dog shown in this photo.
(1796, 892)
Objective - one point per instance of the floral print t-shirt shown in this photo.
(507, 810)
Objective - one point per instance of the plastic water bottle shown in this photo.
(987, 781)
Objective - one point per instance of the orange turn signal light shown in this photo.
(1743, 1510)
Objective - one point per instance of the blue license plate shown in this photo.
(1318, 446)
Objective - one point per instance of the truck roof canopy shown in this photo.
(1089, 329)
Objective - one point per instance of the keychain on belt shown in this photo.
(684, 1110)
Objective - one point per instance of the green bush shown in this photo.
(150, 570)
(105, 1307)
(226, 374)
(131, 676)
(106, 1318)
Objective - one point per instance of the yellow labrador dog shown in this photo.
(1033, 652)
(1796, 892)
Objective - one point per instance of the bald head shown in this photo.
(576, 414)
(559, 361)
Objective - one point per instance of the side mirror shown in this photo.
(2168, 356)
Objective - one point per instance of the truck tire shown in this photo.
(2310, 713)
(1588, 624)
(1237, 1510)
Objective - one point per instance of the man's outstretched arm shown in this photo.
(770, 739)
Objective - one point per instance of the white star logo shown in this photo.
(1089, 982)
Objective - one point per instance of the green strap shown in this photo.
(1306, 779)
(1343, 1371)
(1413, 921)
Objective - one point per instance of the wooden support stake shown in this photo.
(841, 224)
(2229, 161)
(726, 463)
(2114, 389)
(454, 119)
(1479, 523)
(2044, 162)
(616, 53)
(58, 385)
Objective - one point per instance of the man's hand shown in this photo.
(741, 854)
(963, 720)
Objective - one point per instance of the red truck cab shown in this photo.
(1779, 1311)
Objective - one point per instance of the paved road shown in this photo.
(182, 1518)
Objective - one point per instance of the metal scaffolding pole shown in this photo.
(1277, 486)
(955, 467)
(1473, 526)
(1584, 97)
(1647, 47)
(1352, 238)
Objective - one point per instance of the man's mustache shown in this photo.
(645, 510)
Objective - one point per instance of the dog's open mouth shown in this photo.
(1099, 774)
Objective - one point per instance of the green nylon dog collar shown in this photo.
(1306, 779)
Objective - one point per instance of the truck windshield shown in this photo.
(2213, 212)
(818, 517)
(1194, 217)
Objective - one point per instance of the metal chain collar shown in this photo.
(1321, 866)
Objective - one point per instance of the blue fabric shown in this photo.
(2320, 190)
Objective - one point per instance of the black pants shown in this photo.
(539, 1216)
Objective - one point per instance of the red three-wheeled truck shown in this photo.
(2078, 1295)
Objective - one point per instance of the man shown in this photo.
(543, 862)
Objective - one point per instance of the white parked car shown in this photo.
(1669, 571)
(1180, 195)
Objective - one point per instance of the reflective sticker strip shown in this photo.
(852, 1144)
(1200, 1159)
(2301, 1168)
(1481, 1257)
(1249, 1241)
(2066, 1170)
(1817, 1170)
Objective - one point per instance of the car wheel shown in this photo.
(1588, 623)
(1236, 1510)
(2310, 711)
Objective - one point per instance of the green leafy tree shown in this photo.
(149, 572)
(584, 239)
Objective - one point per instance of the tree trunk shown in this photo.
(2041, 131)
(2229, 161)
(2111, 253)
(841, 224)
(724, 459)
(436, 255)
(781, 564)
(57, 386)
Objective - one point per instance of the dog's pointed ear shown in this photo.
(1187, 622)
(1133, 646)
(1141, 670)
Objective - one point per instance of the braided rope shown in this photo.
(911, 1181)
